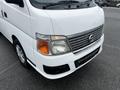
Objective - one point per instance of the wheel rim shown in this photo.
(20, 53)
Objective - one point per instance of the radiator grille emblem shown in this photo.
(91, 38)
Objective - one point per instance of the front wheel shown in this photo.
(21, 54)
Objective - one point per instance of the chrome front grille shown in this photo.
(79, 41)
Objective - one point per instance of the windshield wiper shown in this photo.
(60, 3)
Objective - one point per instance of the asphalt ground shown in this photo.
(103, 73)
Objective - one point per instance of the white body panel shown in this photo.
(68, 22)
(65, 59)
(25, 22)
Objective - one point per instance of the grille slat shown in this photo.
(80, 41)
(77, 38)
(78, 44)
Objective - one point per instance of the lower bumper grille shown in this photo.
(86, 58)
(56, 70)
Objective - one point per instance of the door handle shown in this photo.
(5, 15)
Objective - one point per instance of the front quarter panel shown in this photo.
(40, 21)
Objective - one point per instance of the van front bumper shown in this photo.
(54, 67)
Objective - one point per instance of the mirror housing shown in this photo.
(17, 2)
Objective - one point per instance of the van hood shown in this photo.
(68, 22)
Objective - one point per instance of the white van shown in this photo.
(56, 37)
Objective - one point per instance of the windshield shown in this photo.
(62, 4)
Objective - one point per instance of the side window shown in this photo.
(17, 2)
(8, 1)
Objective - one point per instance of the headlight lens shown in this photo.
(59, 47)
(52, 45)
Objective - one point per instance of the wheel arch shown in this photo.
(26, 42)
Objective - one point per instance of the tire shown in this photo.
(20, 53)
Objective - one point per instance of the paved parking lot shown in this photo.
(103, 73)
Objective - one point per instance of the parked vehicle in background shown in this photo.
(111, 3)
(108, 3)
(100, 3)
(56, 37)
(118, 5)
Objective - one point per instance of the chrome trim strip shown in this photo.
(79, 34)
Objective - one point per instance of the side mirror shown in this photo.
(17, 2)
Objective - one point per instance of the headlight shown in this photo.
(52, 44)
(59, 47)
